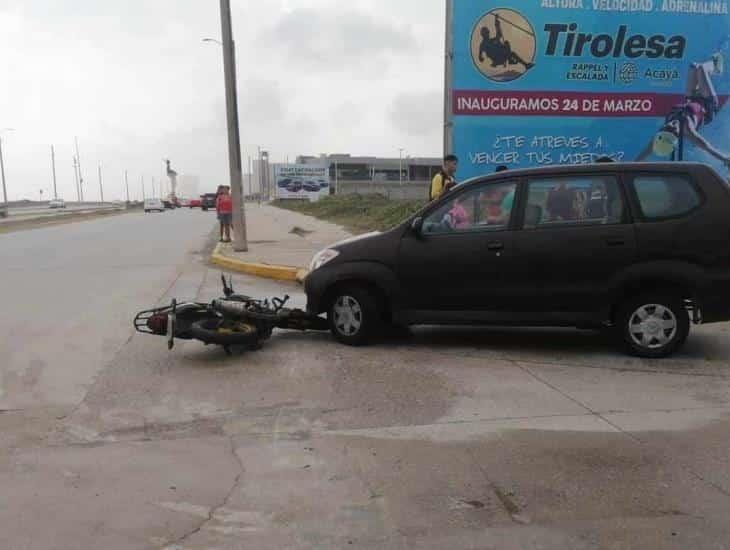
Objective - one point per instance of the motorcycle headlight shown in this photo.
(323, 257)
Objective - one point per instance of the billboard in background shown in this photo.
(536, 82)
(302, 181)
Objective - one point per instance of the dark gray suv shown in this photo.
(642, 248)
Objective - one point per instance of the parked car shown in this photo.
(184, 203)
(640, 248)
(153, 205)
(311, 187)
(195, 203)
(208, 201)
(323, 184)
(118, 204)
(57, 204)
(169, 205)
(283, 183)
(295, 186)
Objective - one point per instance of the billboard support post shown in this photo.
(448, 74)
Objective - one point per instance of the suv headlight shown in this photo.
(323, 257)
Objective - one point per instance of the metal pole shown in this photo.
(144, 194)
(76, 179)
(240, 240)
(448, 71)
(126, 183)
(2, 172)
(337, 178)
(81, 174)
(400, 172)
(101, 184)
(53, 167)
(250, 177)
(258, 175)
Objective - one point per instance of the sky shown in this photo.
(136, 83)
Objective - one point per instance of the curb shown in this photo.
(267, 271)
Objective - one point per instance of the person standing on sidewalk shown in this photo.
(224, 207)
(444, 181)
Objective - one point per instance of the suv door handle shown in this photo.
(495, 246)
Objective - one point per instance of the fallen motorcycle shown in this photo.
(233, 320)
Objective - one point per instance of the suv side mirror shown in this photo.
(417, 225)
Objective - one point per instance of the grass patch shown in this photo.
(357, 213)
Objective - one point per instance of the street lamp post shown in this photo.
(240, 241)
(78, 166)
(126, 183)
(400, 170)
(2, 165)
(101, 184)
(53, 169)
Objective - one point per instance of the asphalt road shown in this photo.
(454, 438)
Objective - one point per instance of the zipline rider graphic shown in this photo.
(503, 45)
(497, 49)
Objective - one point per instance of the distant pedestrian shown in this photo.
(444, 181)
(224, 207)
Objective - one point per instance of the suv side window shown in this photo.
(663, 196)
(484, 208)
(573, 200)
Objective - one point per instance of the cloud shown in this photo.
(134, 81)
(338, 41)
(417, 113)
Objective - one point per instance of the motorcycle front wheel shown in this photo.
(225, 332)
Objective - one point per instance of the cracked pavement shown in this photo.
(453, 438)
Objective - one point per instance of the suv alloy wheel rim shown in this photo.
(652, 326)
(348, 315)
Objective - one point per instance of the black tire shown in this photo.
(361, 323)
(662, 333)
(225, 333)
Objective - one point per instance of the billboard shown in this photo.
(534, 82)
(302, 181)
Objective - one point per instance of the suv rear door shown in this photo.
(576, 237)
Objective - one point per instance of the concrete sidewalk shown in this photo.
(281, 243)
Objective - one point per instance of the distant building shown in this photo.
(367, 175)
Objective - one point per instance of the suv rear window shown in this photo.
(665, 196)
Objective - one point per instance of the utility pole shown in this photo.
(2, 172)
(144, 195)
(81, 175)
(337, 177)
(240, 241)
(126, 183)
(250, 178)
(53, 169)
(76, 179)
(400, 172)
(101, 184)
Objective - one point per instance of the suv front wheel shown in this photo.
(353, 316)
(653, 325)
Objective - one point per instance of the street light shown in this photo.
(2, 163)
(213, 40)
(400, 173)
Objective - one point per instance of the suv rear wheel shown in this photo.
(653, 325)
(353, 316)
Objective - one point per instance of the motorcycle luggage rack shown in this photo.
(140, 321)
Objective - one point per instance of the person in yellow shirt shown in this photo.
(444, 181)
